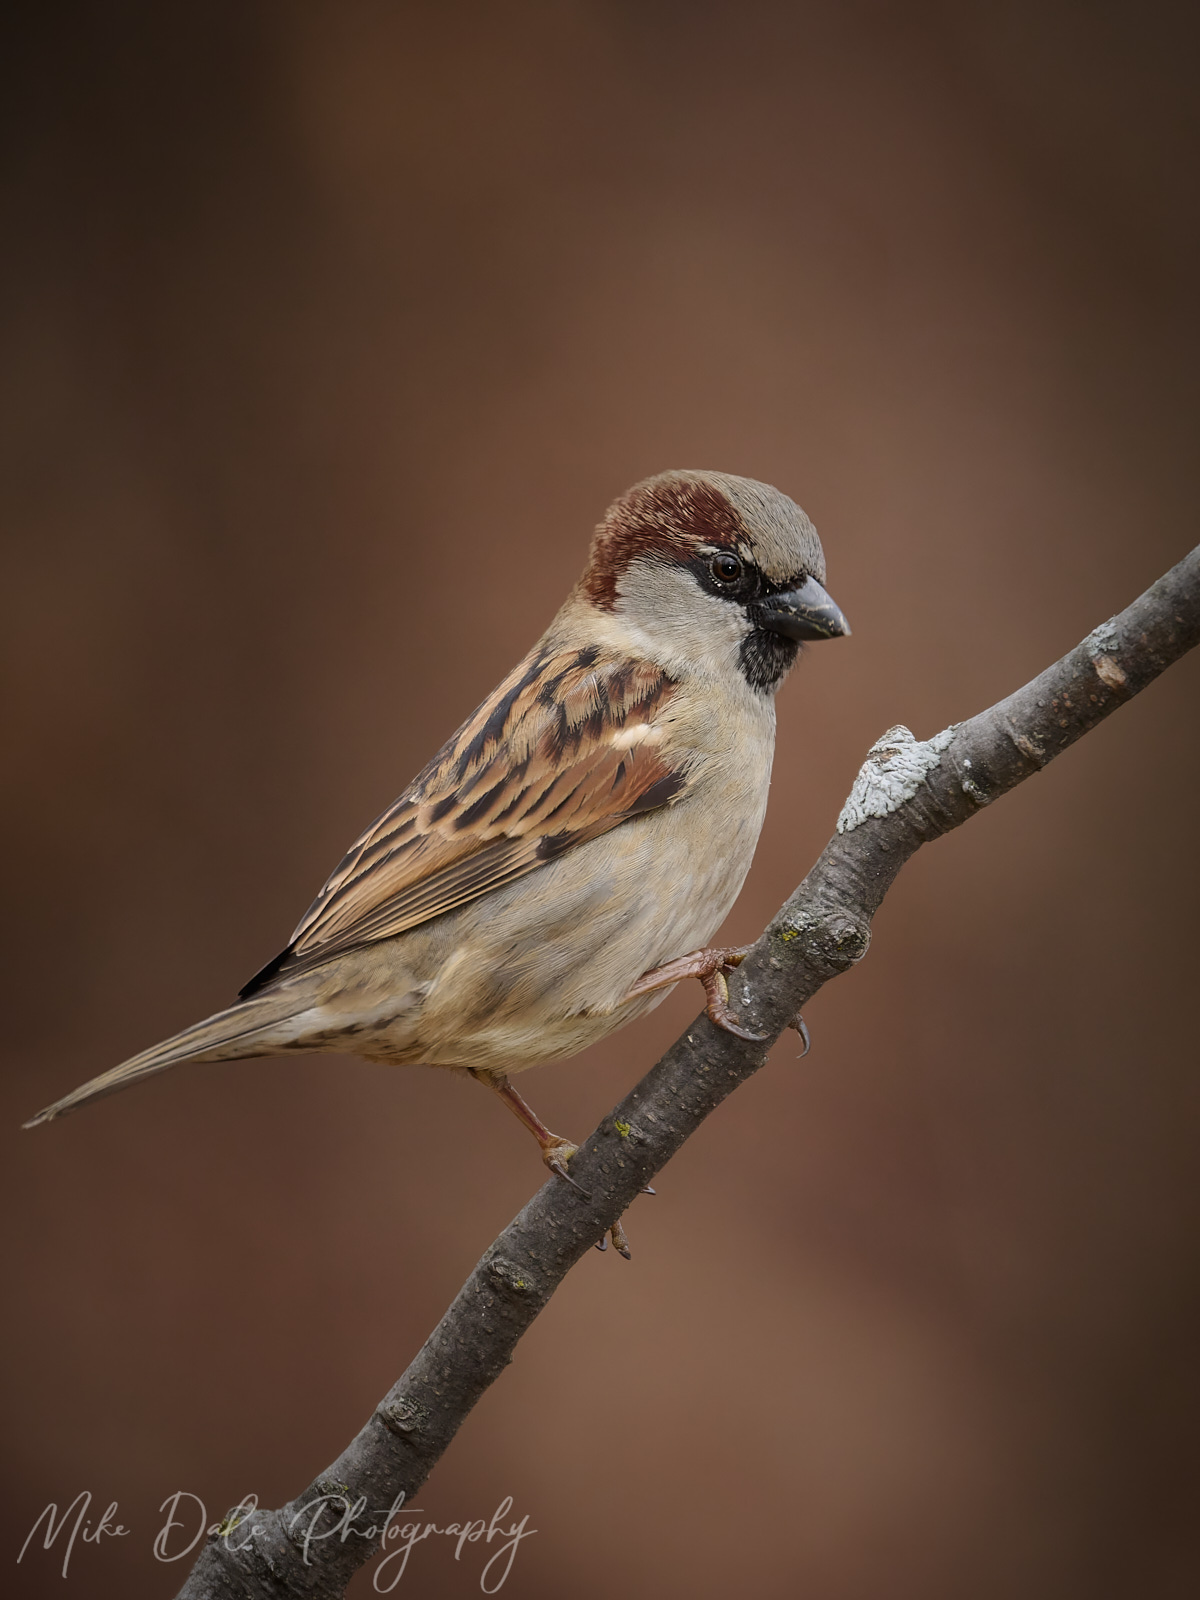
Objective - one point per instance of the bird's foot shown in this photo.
(620, 1242)
(556, 1153)
(710, 966)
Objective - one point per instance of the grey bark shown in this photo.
(907, 794)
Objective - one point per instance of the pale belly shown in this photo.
(539, 970)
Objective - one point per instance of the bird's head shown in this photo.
(714, 570)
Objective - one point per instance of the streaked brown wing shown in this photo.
(563, 752)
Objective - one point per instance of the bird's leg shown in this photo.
(556, 1152)
(710, 966)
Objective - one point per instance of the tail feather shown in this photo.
(253, 1027)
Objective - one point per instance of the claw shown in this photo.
(649, 1190)
(718, 1010)
(601, 1242)
(559, 1171)
(801, 1028)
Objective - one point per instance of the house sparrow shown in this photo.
(563, 860)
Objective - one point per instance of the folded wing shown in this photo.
(564, 751)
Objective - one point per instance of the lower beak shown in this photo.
(805, 612)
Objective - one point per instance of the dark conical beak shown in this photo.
(805, 612)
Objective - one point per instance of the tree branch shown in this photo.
(907, 793)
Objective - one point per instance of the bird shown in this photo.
(564, 859)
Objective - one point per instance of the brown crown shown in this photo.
(666, 518)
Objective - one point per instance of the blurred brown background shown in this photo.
(330, 328)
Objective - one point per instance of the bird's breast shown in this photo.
(539, 969)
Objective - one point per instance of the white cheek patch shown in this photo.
(678, 621)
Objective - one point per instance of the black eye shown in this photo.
(726, 569)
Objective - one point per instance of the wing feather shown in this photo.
(564, 751)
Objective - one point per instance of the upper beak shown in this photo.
(805, 612)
